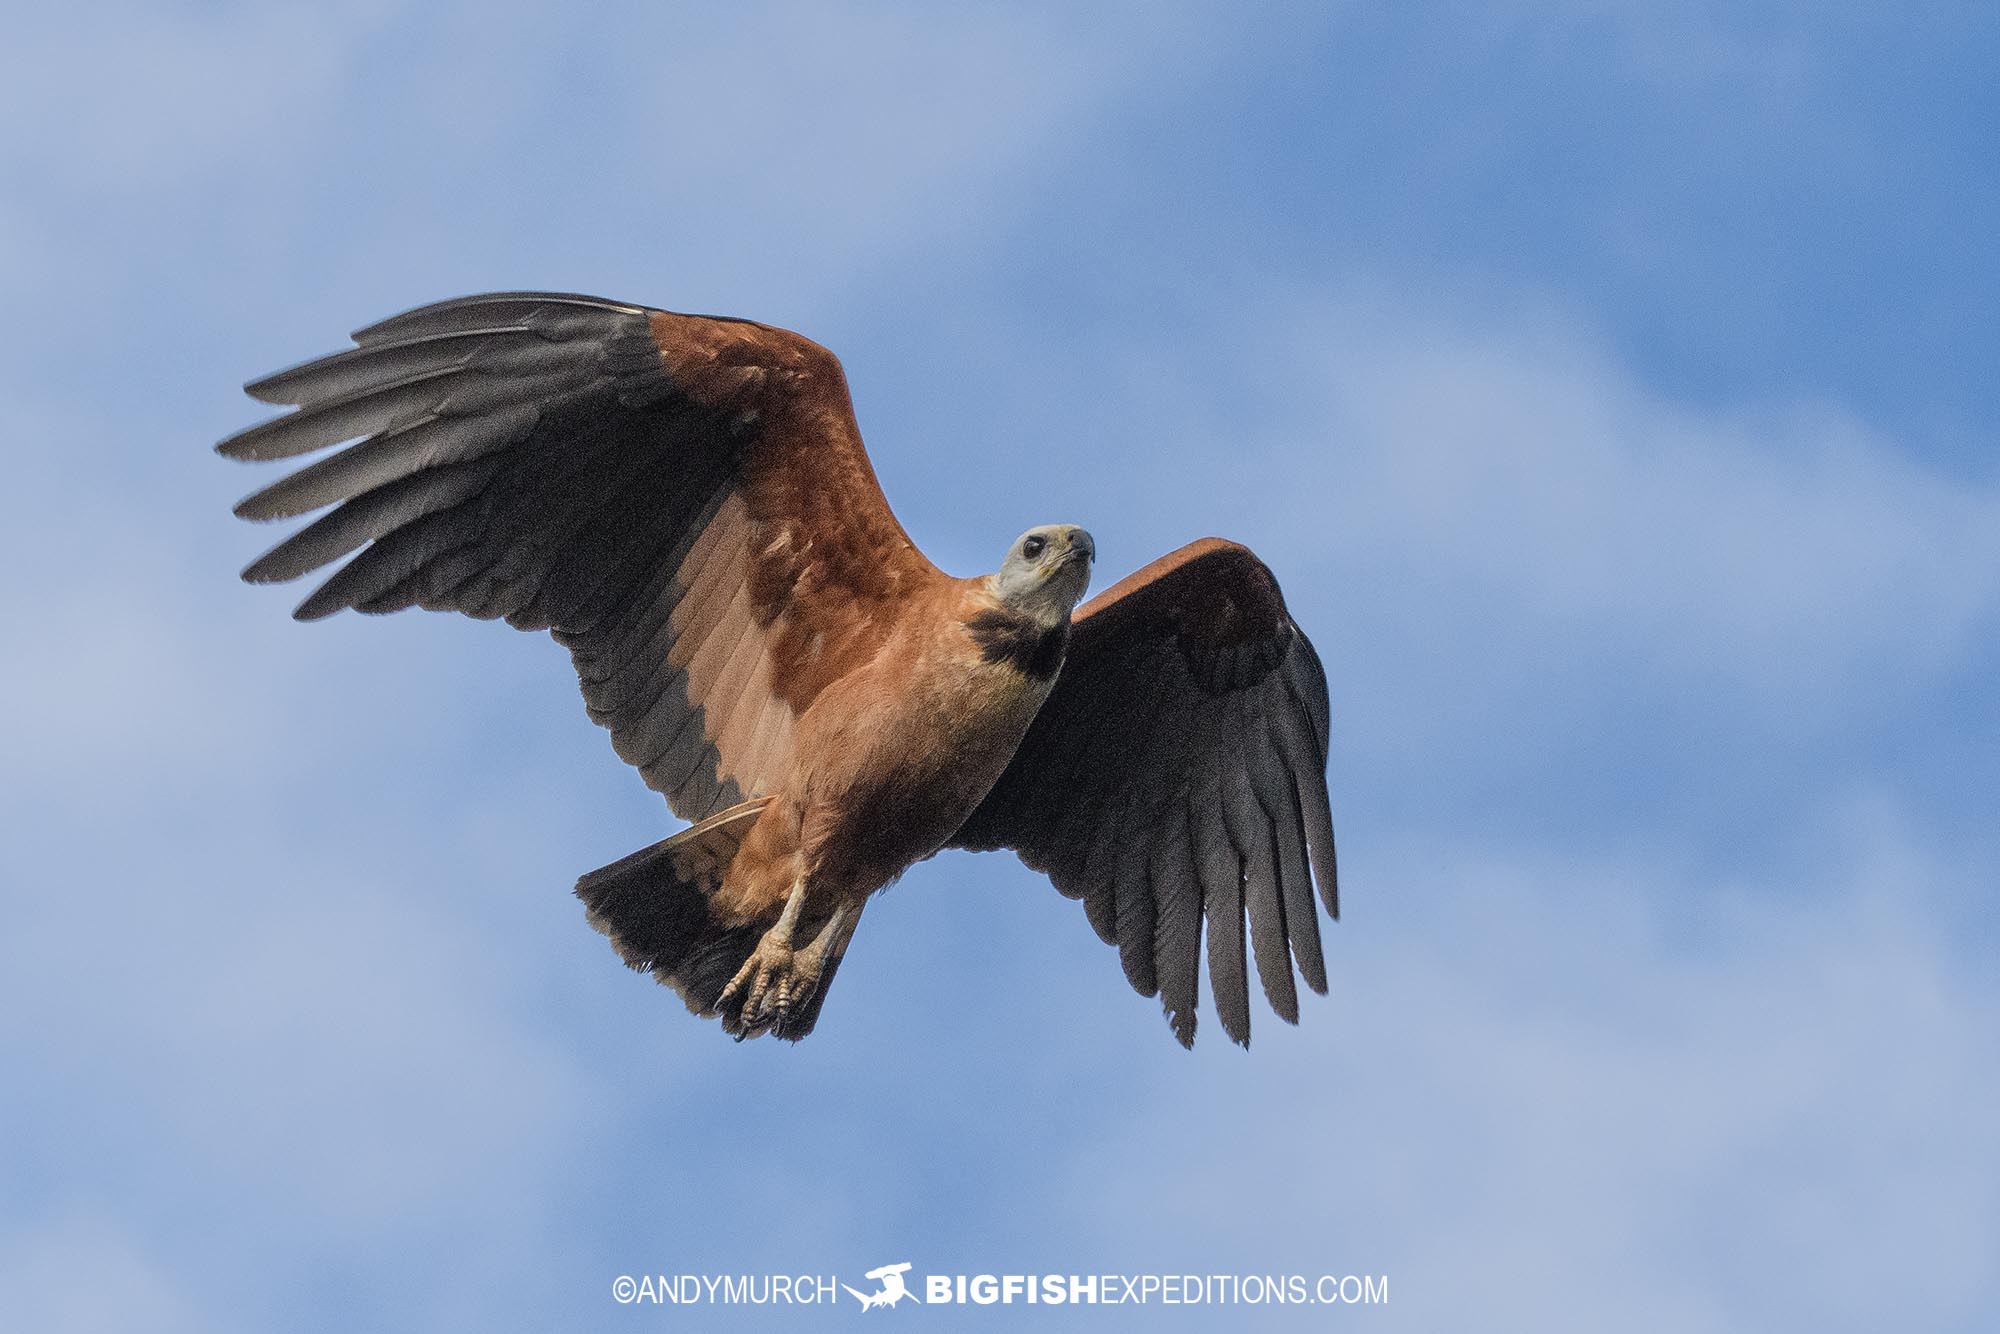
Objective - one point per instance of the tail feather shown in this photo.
(654, 906)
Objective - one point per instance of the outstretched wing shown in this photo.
(683, 500)
(1178, 772)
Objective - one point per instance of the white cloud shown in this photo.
(802, 163)
(875, 122)
(1787, 548)
(764, 163)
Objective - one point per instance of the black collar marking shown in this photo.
(1005, 637)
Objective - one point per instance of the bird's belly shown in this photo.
(929, 759)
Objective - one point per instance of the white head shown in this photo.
(1046, 571)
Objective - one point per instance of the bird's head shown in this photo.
(1046, 571)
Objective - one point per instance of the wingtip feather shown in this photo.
(318, 607)
(238, 447)
(269, 388)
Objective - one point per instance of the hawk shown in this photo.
(684, 503)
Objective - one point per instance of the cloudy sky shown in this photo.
(1612, 387)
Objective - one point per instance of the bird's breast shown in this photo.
(904, 752)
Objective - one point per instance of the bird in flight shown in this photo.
(684, 503)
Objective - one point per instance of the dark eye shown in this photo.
(1032, 548)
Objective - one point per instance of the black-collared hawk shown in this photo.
(685, 504)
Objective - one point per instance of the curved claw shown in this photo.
(779, 979)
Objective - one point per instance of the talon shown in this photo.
(779, 976)
(753, 1009)
(736, 982)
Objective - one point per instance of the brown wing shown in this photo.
(684, 501)
(1178, 772)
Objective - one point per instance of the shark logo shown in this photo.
(893, 1288)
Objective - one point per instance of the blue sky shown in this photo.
(1612, 388)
